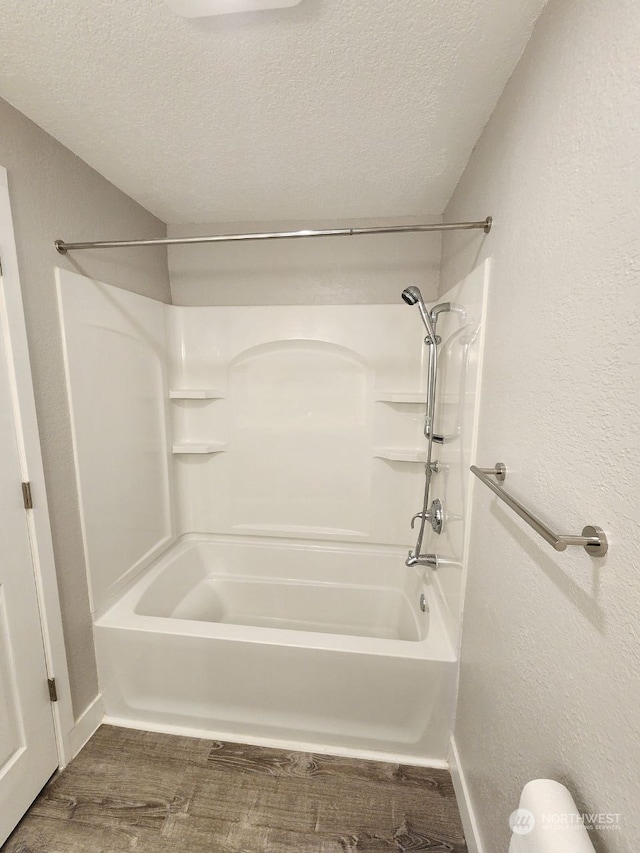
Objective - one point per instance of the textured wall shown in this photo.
(551, 648)
(329, 271)
(54, 194)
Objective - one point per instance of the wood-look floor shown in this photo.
(151, 793)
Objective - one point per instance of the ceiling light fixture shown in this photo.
(204, 8)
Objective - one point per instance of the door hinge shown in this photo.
(53, 692)
(26, 496)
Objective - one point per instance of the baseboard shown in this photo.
(86, 726)
(469, 823)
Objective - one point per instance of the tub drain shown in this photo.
(423, 603)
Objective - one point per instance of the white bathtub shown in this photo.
(312, 646)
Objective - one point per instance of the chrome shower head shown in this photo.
(412, 296)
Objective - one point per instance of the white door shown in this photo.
(28, 753)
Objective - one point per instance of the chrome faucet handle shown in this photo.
(434, 515)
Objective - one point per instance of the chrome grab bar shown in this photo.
(593, 539)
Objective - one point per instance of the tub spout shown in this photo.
(430, 560)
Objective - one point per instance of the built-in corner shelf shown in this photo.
(190, 447)
(400, 454)
(196, 394)
(418, 399)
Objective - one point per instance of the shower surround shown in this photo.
(247, 476)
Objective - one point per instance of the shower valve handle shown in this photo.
(435, 516)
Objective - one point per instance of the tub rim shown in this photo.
(119, 614)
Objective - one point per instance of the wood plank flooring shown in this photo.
(151, 793)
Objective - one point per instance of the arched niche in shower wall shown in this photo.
(300, 421)
(299, 458)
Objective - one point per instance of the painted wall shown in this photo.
(322, 271)
(551, 646)
(54, 194)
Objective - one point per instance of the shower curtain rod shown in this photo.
(485, 224)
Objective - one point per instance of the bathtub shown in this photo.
(305, 645)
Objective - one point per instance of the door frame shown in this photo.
(31, 465)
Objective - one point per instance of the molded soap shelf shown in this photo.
(419, 398)
(202, 448)
(196, 394)
(400, 454)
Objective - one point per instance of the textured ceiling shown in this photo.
(330, 109)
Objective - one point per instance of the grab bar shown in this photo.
(593, 539)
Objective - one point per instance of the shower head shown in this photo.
(412, 296)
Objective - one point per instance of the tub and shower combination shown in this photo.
(296, 643)
(254, 583)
